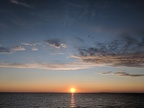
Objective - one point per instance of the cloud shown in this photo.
(4, 50)
(127, 74)
(79, 39)
(27, 44)
(19, 3)
(104, 73)
(18, 48)
(129, 60)
(34, 49)
(30, 44)
(48, 66)
(124, 74)
(56, 43)
(126, 51)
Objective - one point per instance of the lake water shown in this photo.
(65, 100)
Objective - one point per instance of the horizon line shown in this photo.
(72, 93)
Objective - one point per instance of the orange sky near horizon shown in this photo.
(66, 88)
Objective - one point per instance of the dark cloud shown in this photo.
(123, 74)
(80, 39)
(106, 73)
(91, 37)
(127, 51)
(4, 50)
(56, 43)
(127, 74)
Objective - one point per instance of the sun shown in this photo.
(72, 90)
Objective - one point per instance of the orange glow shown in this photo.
(72, 90)
(66, 88)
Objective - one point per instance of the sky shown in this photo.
(53, 45)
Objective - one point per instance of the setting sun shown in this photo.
(72, 90)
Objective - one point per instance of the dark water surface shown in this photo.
(64, 100)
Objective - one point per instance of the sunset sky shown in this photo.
(54, 45)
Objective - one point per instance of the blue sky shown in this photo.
(84, 43)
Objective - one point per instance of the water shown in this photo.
(63, 100)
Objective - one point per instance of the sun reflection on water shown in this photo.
(72, 104)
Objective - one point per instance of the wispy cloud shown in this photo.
(18, 48)
(19, 3)
(27, 44)
(123, 74)
(31, 43)
(129, 60)
(104, 73)
(79, 39)
(56, 43)
(4, 50)
(129, 75)
(125, 52)
(34, 49)
(48, 66)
